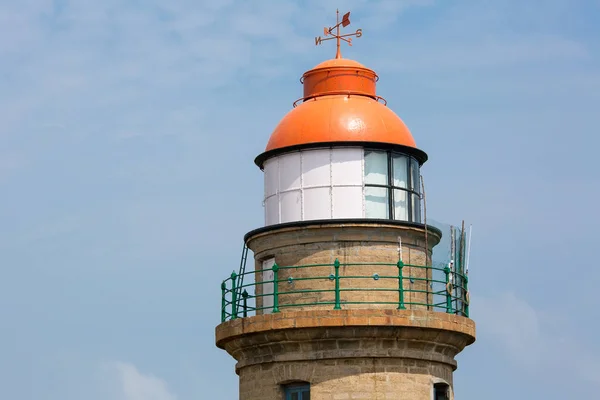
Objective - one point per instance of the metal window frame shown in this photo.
(390, 182)
(298, 388)
(442, 387)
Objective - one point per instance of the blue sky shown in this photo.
(127, 136)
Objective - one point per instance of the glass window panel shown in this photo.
(416, 208)
(416, 178)
(400, 205)
(272, 210)
(346, 167)
(376, 202)
(400, 171)
(297, 392)
(289, 171)
(317, 203)
(271, 176)
(316, 168)
(291, 206)
(376, 169)
(347, 202)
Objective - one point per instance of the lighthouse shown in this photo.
(345, 298)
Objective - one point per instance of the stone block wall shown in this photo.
(345, 379)
(346, 354)
(368, 244)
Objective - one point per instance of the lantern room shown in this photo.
(341, 153)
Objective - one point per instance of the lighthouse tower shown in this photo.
(344, 300)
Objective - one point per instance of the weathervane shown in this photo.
(346, 38)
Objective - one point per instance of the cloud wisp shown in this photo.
(138, 386)
(533, 340)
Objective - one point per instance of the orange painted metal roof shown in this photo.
(339, 62)
(340, 118)
(340, 104)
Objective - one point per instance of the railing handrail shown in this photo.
(453, 288)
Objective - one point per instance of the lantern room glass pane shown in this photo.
(316, 168)
(271, 177)
(376, 202)
(376, 168)
(347, 202)
(289, 171)
(291, 206)
(400, 205)
(416, 175)
(346, 167)
(317, 203)
(416, 208)
(400, 171)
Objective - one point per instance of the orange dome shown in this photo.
(340, 62)
(340, 118)
(340, 105)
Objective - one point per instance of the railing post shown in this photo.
(245, 302)
(467, 297)
(275, 288)
(233, 296)
(223, 301)
(448, 290)
(336, 266)
(401, 305)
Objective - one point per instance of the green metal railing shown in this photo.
(434, 288)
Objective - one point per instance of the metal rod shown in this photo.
(275, 288)
(245, 302)
(469, 249)
(336, 266)
(233, 296)
(400, 248)
(448, 291)
(461, 268)
(223, 302)
(338, 53)
(467, 297)
(425, 223)
(401, 305)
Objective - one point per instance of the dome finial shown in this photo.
(346, 38)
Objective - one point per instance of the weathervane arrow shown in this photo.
(329, 34)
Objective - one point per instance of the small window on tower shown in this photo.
(297, 391)
(441, 391)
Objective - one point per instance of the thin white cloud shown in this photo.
(138, 386)
(73, 63)
(514, 323)
(532, 339)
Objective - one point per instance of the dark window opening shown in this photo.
(440, 391)
(297, 391)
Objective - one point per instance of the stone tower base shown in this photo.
(346, 354)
